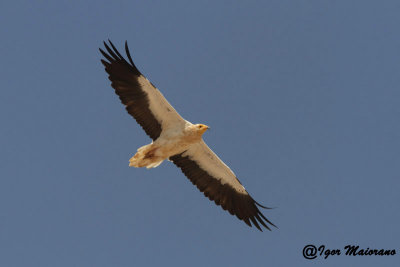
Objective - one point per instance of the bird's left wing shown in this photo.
(141, 98)
(216, 180)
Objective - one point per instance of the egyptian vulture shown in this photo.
(177, 140)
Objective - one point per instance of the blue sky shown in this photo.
(302, 98)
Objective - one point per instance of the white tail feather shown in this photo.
(145, 157)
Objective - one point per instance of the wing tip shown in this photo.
(113, 55)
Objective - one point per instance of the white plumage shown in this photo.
(177, 140)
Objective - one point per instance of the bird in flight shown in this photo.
(177, 140)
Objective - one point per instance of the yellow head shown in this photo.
(201, 128)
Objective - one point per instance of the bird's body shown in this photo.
(177, 140)
(171, 142)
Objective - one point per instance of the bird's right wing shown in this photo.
(141, 98)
